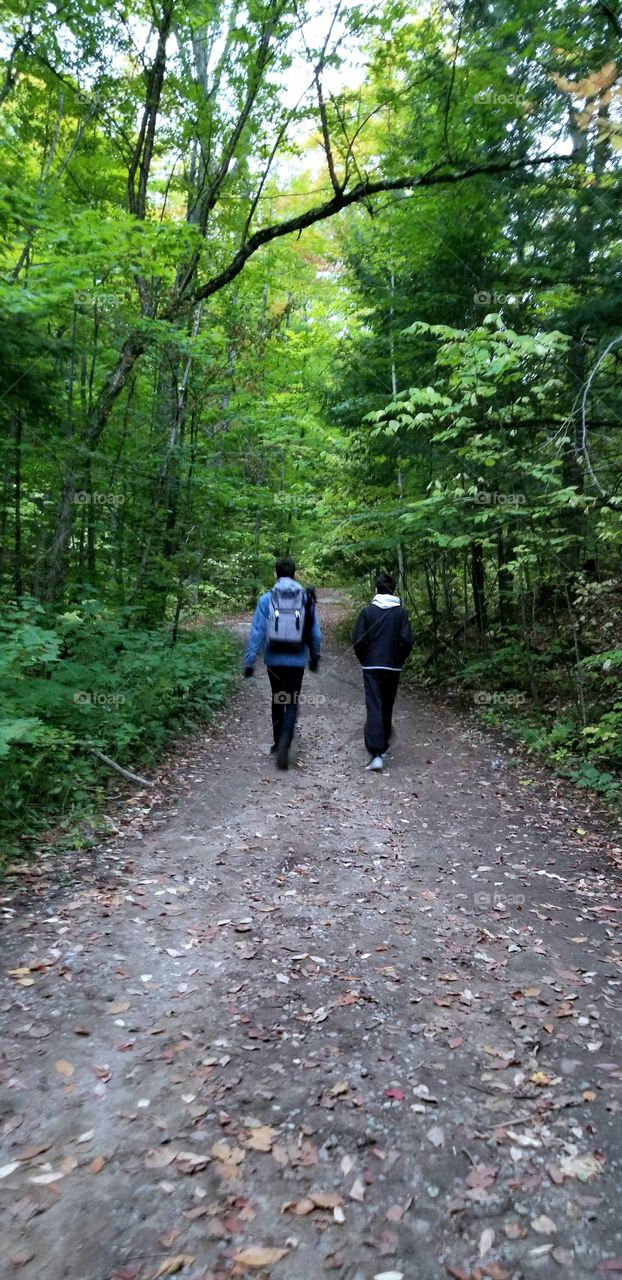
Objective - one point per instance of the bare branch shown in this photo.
(125, 773)
(337, 186)
(143, 151)
(11, 75)
(582, 449)
(328, 151)
(254, 85)
(451, 85)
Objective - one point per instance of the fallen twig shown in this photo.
(125, 773)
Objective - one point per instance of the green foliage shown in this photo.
(93, 682)
(434, 387)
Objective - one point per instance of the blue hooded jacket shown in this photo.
(257, 639)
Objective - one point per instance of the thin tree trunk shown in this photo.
(505, 577)
(478, 584)
(17, 537)
(113, 386)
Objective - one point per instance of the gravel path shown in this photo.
(320, 1022)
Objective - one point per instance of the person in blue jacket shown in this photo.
(286, 666)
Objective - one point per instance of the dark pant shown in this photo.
(285, 683)
(380, 691)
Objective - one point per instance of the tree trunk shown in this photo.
(505, 577)
(17, 539)
(478, 584)
(115, 382)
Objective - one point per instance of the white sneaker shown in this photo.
(375, 764)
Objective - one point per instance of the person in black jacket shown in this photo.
(382, 641)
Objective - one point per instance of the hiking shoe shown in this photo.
(282, 755)
(375, 764)
(273, 749)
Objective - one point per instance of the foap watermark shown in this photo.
(486, 498)
(90, 697)
(498, 900)
(282, 698)
(484, 298)
(98, 499)
(482, 698)
(492, 97)
(103, 295)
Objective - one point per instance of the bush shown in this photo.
(85, 680)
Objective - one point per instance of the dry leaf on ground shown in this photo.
(256, 1256)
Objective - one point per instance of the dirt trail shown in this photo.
(397, 993)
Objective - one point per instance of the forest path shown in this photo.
(397, 993)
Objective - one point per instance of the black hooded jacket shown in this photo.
(383, 635)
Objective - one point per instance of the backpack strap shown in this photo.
(308, 602)
(274, 595)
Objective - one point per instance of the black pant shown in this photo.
(285, 683)
(380, 691)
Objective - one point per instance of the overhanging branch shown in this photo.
(343, 200)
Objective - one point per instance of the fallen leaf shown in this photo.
(340, 1088)
(191, 1161)
(486, 1241)
(259, 1257)
(482, 1175)
(563, 1257)
(543, 1225)
(160, 1158)
(172, 1265)
(223, 1152)
(397, 1094)
(64, 1068)
(168, 1238)
(422, 1091)
(610, 1264)
(389, 1275)
(325, 1199)
(582, 1167)
(300, 1207)
(436, 1136)
(261, 1139)
(29, 1153)
(97, 1164)
(395, 1213)
(8, 1169)
(357, 1191)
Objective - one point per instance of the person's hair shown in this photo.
(385, 583)
(285, 567)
